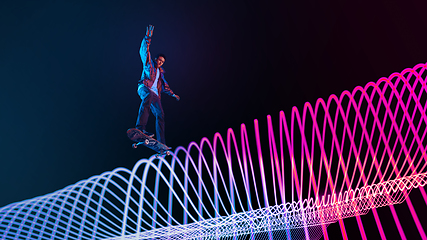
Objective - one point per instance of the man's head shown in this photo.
(160, 60)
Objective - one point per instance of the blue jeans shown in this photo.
(150, 100)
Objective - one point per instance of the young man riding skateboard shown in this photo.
(150, 87)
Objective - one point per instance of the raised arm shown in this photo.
(144, 51)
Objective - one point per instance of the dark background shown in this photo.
(69, 72)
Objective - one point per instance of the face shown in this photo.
(159, 61)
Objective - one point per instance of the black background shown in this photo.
(69, 72)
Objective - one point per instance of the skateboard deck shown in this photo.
(140, 138)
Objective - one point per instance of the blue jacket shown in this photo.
(149, 70)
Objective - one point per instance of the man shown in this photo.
(150, 87)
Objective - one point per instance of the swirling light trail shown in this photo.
(339, 159)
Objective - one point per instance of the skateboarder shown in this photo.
(150, 87)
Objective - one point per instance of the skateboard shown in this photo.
(140, 138)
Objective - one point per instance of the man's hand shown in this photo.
(176, 97)
(149, 32)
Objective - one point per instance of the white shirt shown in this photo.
(154, 87)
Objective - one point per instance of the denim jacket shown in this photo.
(149, 70)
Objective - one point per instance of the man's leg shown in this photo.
(157, 109)
(144, 109)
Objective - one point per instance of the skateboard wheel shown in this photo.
(147, 141)
(168, 153)
(134, 145)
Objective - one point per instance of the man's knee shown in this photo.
(160, 116)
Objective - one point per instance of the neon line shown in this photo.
(398, 225)
(416, 220)
(336, 159)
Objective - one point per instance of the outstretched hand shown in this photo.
(149, 32)
(176, 97)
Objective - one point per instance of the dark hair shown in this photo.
(161, 55)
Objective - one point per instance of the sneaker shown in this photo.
(148, 133)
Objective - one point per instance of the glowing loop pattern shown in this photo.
(337, 159)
